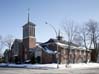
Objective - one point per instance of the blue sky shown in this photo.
(13, 15)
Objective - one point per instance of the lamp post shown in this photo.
(57, 53)
(52, 28)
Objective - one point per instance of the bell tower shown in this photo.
(29, 40)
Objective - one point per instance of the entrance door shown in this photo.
(38, 59)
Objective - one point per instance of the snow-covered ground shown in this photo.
(84, 65)
(52, 66)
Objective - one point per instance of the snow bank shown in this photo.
(3, 64)
(84, 65)
(52, 66)
(41, 66)
(16, 65)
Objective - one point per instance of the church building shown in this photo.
(27, 50)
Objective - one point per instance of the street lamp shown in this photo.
(52, 28)
(57, 53)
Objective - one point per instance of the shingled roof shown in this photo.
(61, 41)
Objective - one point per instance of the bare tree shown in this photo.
(70, 30)
(84, 39)
(89, 35)
(93, 30)
(1, 43)
(93, 34)
(8, 41)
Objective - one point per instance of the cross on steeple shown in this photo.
(28, 14)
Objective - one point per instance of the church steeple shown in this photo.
(28, 15)
(59, 37)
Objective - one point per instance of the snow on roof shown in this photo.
(37, 44)
(65, 46)
(46, 49)
(72, 47)
(61, 44)
(49, 51)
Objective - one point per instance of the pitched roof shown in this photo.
(16, 40)
(46, 49)
(29, 23)
(60, 41)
